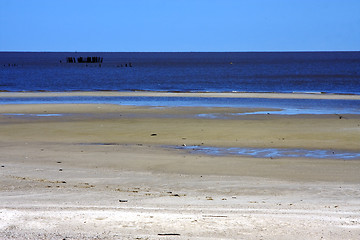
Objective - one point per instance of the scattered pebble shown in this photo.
(153, 134)
(123, 201)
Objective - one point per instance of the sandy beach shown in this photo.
(101, 171)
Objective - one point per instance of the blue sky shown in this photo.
(182, 25)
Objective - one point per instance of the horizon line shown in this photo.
(287, 51)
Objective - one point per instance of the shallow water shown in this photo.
(33, 115)
(284, 106)
(274, 152)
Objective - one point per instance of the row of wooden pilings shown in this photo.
(93, 60)
(84, 60)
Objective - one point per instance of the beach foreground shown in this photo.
(96, 171)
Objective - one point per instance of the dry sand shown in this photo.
(99, 172)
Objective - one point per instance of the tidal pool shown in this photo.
(274, 152)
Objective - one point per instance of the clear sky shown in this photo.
(179, 25)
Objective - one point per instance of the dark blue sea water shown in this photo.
(330, 72)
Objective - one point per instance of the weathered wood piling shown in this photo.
(11, 65)
(94, 59)
(125, 65)
(84, 60)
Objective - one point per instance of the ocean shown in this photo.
(283, 72)
(276, 72)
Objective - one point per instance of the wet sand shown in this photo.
(102, 171)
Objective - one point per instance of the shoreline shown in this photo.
(294, 95)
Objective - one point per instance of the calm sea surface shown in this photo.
(330, 72)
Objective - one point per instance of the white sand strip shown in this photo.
(184, 94)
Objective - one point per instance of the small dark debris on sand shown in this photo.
(340, 116)
(123, 201)
(168, 234)
(153, 134)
